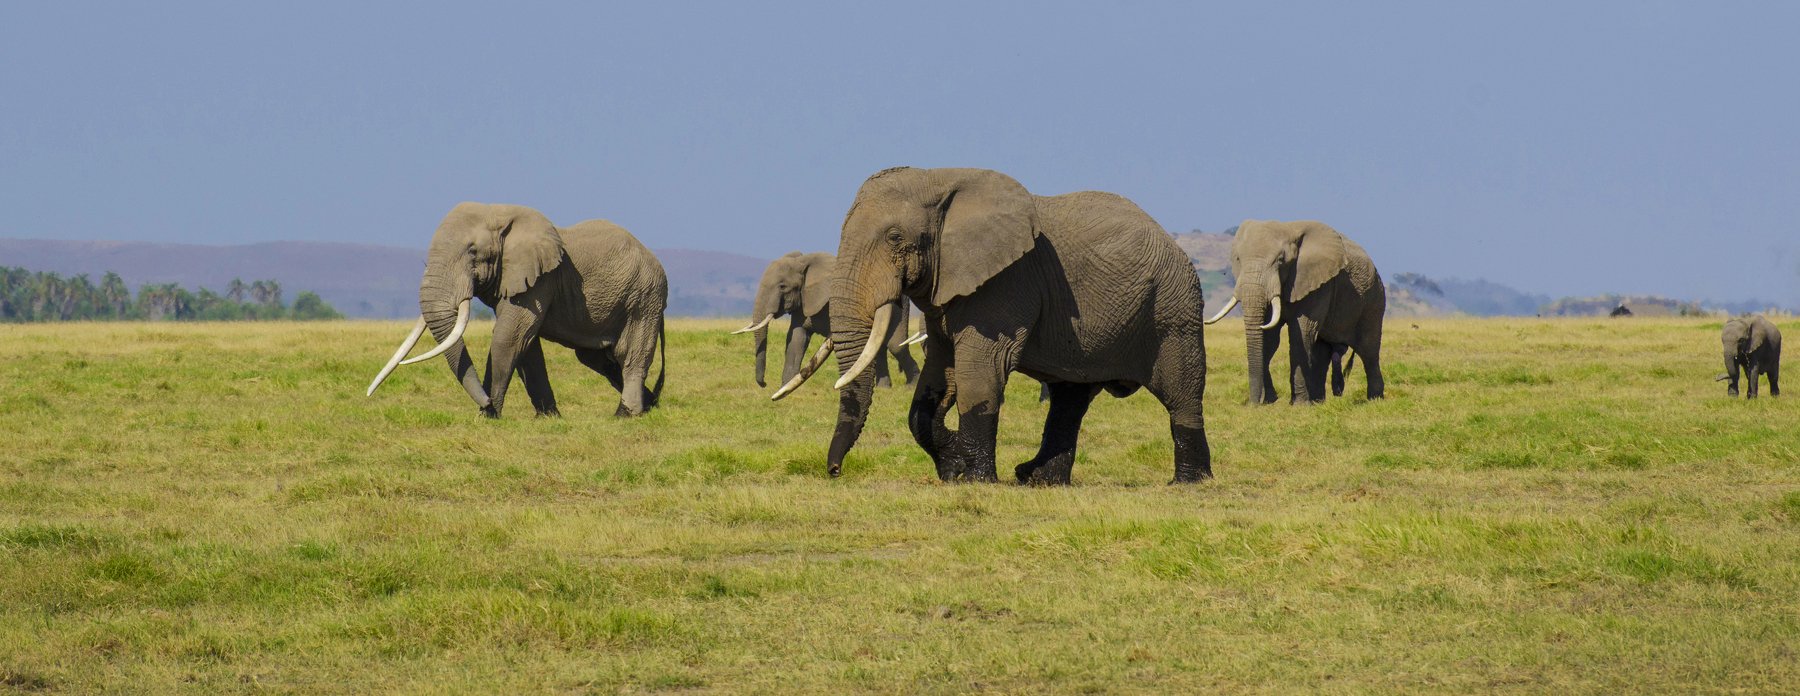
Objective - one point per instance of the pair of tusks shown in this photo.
(412, 339)
(871, 350)
(752, 327)
(1274, 314)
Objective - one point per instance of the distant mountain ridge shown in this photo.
(371, 281)
(360, 280)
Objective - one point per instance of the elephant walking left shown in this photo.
(798, 285)
(591, 287)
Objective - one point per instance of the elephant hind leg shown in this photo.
(1337, 370)
(537, 379)
(1062, 430)
(601, 360)
(1180, 384)
(1775, 379)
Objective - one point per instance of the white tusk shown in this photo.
(914, 340)
(462, 323)
(1275, 313)
(806, 372)
(872, 349)
(406, 346)
(752, 327)
(1221, 315)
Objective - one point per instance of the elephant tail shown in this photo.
(662, 344)
(1349, 360)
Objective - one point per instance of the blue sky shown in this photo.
(1566, 148)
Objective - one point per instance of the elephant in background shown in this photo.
(591, 287)
(1753, 343)
(1323, 288)
(799, 285)
(1082, 291)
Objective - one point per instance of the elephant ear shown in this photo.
(529, 248)
(989, 221)
(1322, 257)
(815, 291)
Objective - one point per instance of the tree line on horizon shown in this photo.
(40, 296)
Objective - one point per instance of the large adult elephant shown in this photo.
(591, 287)
(799, 286)
(1318, 284)
(1082, 291)
(1753, 344)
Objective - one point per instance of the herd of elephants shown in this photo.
(1083, 292)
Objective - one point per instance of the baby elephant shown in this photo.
(1753, 343)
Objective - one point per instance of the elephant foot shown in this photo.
(1731, 393)
(623, 412)
(1038, 473)
(549, 413)
(490, 412)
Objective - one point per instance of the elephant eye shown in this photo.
(894, 237)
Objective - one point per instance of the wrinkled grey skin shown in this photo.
(1083, 291)
(1332, 300)
(591, 287)
(798, 286)
(1754, 344)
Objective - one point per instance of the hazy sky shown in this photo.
(1566, 148)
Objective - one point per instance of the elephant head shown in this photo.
(931, 235)
(486, 251)
(1277, 262)
(796, 284)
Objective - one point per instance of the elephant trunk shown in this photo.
(444, 288)
(1255, 301)
(862, 299)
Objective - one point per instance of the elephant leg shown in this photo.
(1271, 343)
(1180, 384)
(798, 338)
(1775, 379)
(982, 367)
(1062, 429)
(903, 361)
(1306, 362)
(635, 351)
(537, 379)
(515, 329)
(881, 371)
(934, 393)
(1337, 370)
(1369, 352)
(600, 360)
(1751, 375)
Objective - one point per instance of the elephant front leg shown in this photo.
(797, 339)
(1731, 373)
(537, 379)
(1055, 459)
(934, 394)
(981, 372)
(1306, 362)
(515, 328)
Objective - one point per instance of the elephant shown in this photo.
(1334, 302)
(1082, 291)
(1753, 343)
(799, 286)
(591, 287)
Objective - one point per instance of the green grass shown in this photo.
(1539, 505)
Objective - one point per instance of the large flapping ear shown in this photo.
(989, 221)
(815, 288)
(529, 247)
(1322, 257)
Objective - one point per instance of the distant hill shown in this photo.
(360, 280)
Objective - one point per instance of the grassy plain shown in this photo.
(1538, 505)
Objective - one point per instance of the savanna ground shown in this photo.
(1539, 505)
